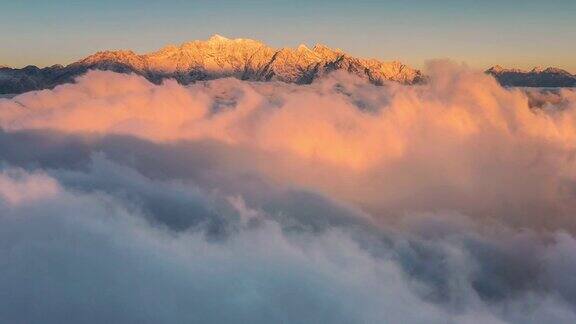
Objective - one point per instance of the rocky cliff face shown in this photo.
(537, 77)
(216, 57)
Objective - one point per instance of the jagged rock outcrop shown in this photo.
(537, 77)
(216, 57)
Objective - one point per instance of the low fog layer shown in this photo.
(122, 201)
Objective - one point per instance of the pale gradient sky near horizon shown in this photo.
(511, 33)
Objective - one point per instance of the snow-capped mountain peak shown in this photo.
(218, 38)
(215, 57)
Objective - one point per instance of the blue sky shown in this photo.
(482, 33)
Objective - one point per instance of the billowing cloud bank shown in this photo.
(340, 202)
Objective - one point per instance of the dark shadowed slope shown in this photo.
(537, 77)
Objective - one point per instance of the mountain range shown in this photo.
(249, 59)
(216, 57)
(537, 77)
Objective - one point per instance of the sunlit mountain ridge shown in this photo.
(214, 58)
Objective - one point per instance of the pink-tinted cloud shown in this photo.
(230, 201)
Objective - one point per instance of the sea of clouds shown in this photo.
(229, 201)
